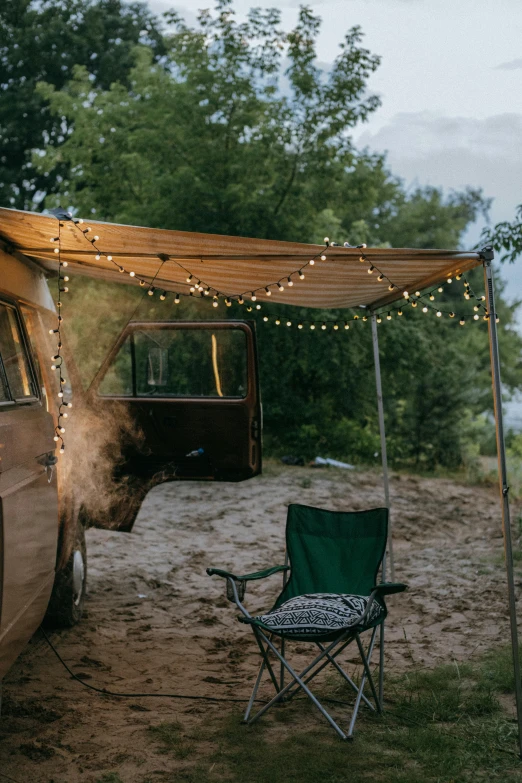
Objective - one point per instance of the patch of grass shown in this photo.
(173, 739)
(444, 725)
(305, 482)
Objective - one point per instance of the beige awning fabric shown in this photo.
(232, 266)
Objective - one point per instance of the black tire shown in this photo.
(68, 596)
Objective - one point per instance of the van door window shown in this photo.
(16, 368)
(180, 363)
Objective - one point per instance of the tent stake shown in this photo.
(487, 256)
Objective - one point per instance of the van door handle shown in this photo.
(48, 460)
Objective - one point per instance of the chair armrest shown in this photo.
(247, 577)
(389, 588)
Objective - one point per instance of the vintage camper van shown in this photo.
(192, 392)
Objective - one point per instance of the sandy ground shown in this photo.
(156, 622)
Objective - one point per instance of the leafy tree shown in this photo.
(506, 236)
(214, 139)
(44, 40)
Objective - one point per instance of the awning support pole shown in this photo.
(384, 458)
(487, 256)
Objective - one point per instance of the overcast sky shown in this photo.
(450, 83)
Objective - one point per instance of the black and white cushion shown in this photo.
(317, 614)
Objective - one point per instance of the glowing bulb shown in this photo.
(362, 259)
(53, 367)
(326, 240)
(449, 280)
(417, 293)
(64, 263)
(462, 321)
(65, 279)
(289, 323)
(65, 415)
(440, 289)
(370, 270)
(95, 238)
(336, 327)
(364, 318)
(280, 287)
(289, 281)
(258, 307)
(60, 394)
(323, 257)
(380, 278)
(142, 283)
(388, 317)
(424, 309)
(56, 249)
(228, 302)
(457, 277)
(391, 287)
(476, 307)
(312, 326)
(432, 298)
(109, 258)
(80, 221)
(299, 325)
(301, 275)
(97, 256)
(151, 292)
(192, 289)
(414, 304)
(121, 270)
(163, 296)
(268, 291)
(265, 318)
(56, 438)
(215, 302)
(61, 429)
(62, 449)
(189, 279)
(405, 294)
(466, 295)
(452, 315)
(253, 297)
(132, 274)
(312, 262)
(277, 321)
(176, 299)
(69, 404)
(476, 317)
(399, 312)
(379, 320)
(240, 300)
(323, 325)
(438, 313)
(346, 325)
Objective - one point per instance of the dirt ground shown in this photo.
(157, 623)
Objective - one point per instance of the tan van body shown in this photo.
(195, 420)
(29, 526)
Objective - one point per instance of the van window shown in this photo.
(16, 369)
(179, 363)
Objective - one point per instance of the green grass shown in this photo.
(445, 725)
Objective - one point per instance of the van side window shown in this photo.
(16, 369)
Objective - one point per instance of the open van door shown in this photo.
(192, 389)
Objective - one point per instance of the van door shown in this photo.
(28, 492)
(193, 390)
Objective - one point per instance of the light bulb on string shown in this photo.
(253, 297)
(476, 308)
(240, 300)
(299, 325)
(476, 317)
(289, 281)
(228, 302)
(414, 303)
(265, 318)
(323, 257)
(417, 293)
(346, 325)
(452, 315)
(277, 321)
(215, 302)
(462, 321)
(371, 270)
(449, 280)
(440, 289)
(189, 279)
(301, 275)
(132, 274)
(312, 326)
(326, 240)
(336, 327)
(380, 278)
(163, 296)
(258, 307)
(289, 323)
(268, 292)
(399, 312)
(364, 318)
(405, 294)
(362, 259)
(97, 256)
(391, 287)
(388, 317)
(151, 291)
(280, 287)
(432, 298)
(176, 299)
(142, 283)
(438, 313)
(379, 319)
(323, 326)
(311, 262)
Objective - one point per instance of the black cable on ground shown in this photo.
(106, 692)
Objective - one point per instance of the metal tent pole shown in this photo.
(487, 256)
(384, 458)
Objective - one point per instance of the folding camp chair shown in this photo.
(330, 597)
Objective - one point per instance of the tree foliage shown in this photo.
(237, 130)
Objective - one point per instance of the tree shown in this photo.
(43, 41)
(214, 139)
(506, 236)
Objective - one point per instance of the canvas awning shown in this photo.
(232, 265)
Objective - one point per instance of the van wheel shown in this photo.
(68, 596)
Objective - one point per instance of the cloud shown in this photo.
(511, 65)
(429, 148)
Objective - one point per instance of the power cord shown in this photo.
(106, 692)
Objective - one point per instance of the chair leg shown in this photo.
(282, 668)
(366, 664)
(381, 665)
(347, 678)
(265, 658)
(302, 684)
(366, 661)
(254, 692)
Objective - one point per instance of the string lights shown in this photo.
(57, 358)
(198, 287)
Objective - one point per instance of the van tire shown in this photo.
(70, 583)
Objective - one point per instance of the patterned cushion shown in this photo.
(318, 614)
